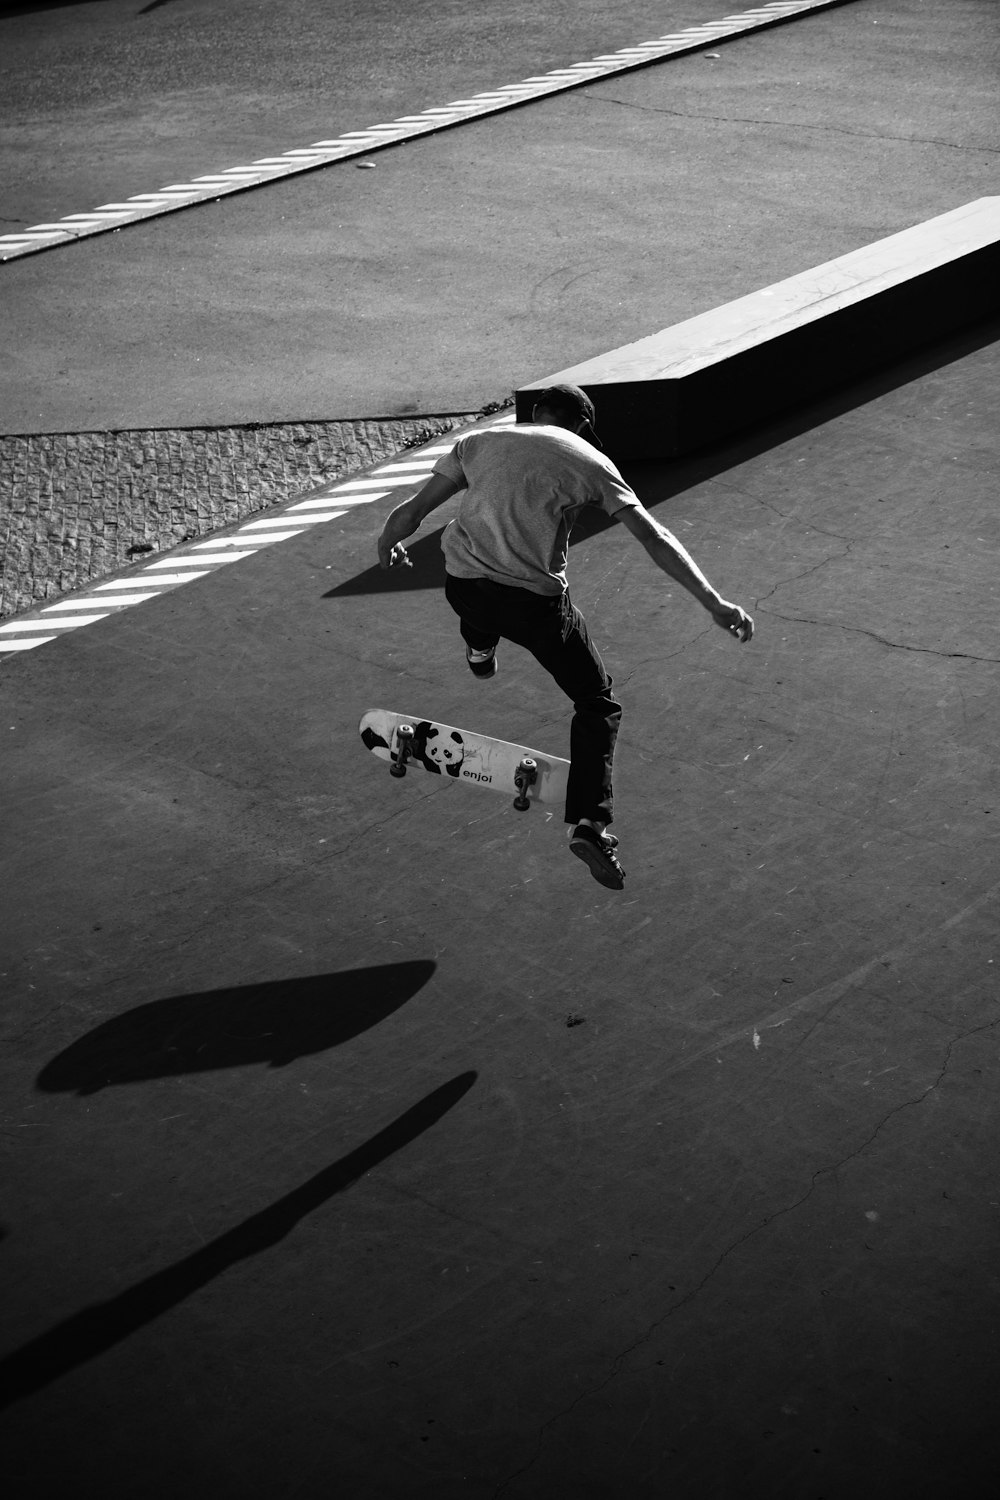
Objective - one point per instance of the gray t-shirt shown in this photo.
(525, 486)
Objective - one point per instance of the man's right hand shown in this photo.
(394, 557)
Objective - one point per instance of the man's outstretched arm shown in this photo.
(668, 554)
(408, 517)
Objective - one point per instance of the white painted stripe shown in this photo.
(112, 599)
(356, 486)
(260, 539)
(268, 526)
(351, 500)
(172, 577)
(125, 583)
(316, 518)
(67, 624)
(87, 603)
(22, 645)
(415, 469)
(277, 536)
(197, 562)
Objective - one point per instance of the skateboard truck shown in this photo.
(404, 749)
(524, 777)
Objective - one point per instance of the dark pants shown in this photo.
(556, 634)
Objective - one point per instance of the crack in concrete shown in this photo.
(871, 135)
(874, 635)
(797, 577)
(743, 1239)
(785, 515)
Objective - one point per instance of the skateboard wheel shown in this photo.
(523, 778)
(404, 736)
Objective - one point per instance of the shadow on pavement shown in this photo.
(657, 480)
(271, 1023)
(26, 7)
(426, 571)
(99, 1327)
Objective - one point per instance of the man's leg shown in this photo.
(475, 618)
(556, 634)
(468, 599)
(564, 648)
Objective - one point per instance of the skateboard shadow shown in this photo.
(272, 1023)
(101, 1326)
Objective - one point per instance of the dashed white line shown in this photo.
(354, 143)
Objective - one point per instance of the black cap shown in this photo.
(575, 405)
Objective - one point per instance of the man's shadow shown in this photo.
(101, 1326)
(273, 1023)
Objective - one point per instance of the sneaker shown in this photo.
(598, 851)
(482, 663)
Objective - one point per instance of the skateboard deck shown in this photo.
(406, 740)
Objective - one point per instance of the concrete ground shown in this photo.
(481, 1180)
(360, 1139)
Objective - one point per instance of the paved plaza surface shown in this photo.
(357, 1141)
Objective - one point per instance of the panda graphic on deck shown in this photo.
(439, 750)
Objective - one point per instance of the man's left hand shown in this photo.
(733, 618)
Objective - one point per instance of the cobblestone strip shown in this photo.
(75, 507)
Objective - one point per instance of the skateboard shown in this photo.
(476, 759)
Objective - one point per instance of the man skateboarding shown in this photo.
(505, 559)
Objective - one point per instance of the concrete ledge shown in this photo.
(737, 366)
